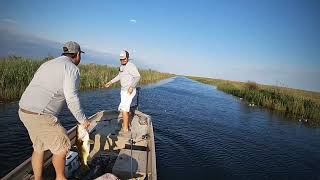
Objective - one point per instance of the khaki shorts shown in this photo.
(46, 133)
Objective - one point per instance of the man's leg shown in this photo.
(58, 161)
(37, 164)
(125, 118)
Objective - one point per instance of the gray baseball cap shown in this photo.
(71, 47)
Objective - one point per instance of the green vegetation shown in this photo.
(95, 76)
(299, 104)
(16, 73)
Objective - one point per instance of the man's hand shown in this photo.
(108, 84)
(130, 90)
(85, 124)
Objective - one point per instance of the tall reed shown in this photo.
(299, 104)
(16, 73)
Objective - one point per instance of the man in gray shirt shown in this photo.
(55, 83)
(129, 77)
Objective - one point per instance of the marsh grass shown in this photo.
(16, 73)
(298, 104)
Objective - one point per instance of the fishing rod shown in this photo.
(138, 93)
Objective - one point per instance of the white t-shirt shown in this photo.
(54, 83)
(129, 76)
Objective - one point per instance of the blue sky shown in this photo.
(267, 41)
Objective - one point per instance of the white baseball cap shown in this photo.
(124, 54)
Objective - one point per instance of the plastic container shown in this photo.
(72, 164)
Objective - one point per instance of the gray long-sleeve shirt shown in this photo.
(129, 76)
(54, 83)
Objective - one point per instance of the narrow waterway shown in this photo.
(200, 133)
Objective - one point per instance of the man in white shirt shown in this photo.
(129, 77)
(55, 82)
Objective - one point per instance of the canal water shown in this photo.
(200, 133)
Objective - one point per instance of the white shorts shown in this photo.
(126, 100)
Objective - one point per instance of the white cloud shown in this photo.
(8, 24)
(8, 20)
(133, 21)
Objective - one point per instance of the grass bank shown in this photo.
(16, 73)
(298, 104)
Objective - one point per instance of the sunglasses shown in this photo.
(123, 59)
